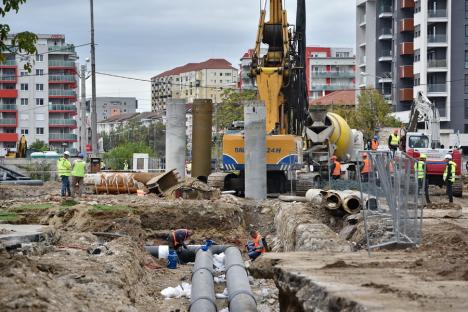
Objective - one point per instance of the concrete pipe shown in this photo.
(185, 255)
(350, 201)
(315, 196)
(241, 298)
(290, 198)
(332, 200)
(203, 297)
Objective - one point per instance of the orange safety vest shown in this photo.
(374, 145)
(257, 243)
(365, 169)
(174, 239)
(337, 170)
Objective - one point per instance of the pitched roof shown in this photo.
(119, 118)
(209, 64)
(345, 97)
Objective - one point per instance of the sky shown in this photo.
(143, 38)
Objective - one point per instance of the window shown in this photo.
(466, 109)
(39, 72)
(39, 57)
(23, 73)
(417, 80)
(24, 116)
(39, 130)
(24, 101)
(40, 117)
(466, 13)
(466, 84)
(417, 55)
(466, 128)
(227, 74)
(24, 86)
(39, 87)
(466, 59)
(24, 131)
(39, 101)
(417, 31)
(420, 141)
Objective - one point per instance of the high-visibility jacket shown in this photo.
(63, 167)
(337, 169)
(125, 166)
(79, 168)
(394, 139)
(258, 244)
(374, 145)
(449, 173)
(179, 236)
(365, 167)
(419, 169)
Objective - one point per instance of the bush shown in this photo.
(115, 158)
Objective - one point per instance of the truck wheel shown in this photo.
(457, 188)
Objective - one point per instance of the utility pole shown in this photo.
(84, 137)
(93, 86)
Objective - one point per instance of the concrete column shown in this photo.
(255, 150)
(175, 136)
(202, 112)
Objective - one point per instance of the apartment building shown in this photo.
(40, 104)
(407, 46)
(205, 80)
(329, 69)
(107, 107)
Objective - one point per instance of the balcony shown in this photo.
(437, 38)
(385, 11)
(406, 94)
(437, 88)
(62, 49)
(62, 93)
(62, 108)
(437, 13)
(407, 24)
(62, 79)
(362, 22)
(332, 87)
(62, 137)
(333, 74)
(61, 64)
(62, 123)
(387, 97)
(8, 93)
(385, 77)
(386, 56)
(406, 48)
(386, 34)
(8, 64)
(406, 71)
(8, 137)
(437, 63)
(407, 4)
(8, 79)
(8, 107)
(8, 122)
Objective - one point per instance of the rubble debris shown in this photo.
(163, 182)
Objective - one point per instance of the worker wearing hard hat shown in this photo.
(335, 168)
(420, 173)
(449, 175)
(78, 173)
(393, 142)
(375, 143)
(64, 172)
(365, 168)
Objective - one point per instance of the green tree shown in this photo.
(231, 109)
(22, 43)
(39, 145)
(115, 157)
(371, 113)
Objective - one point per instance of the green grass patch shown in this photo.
(9, 216)
(110, 208)
(69, 203)
(33, 207)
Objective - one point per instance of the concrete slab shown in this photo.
(13, 234)
(311, 281)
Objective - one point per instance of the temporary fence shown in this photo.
(393, 200)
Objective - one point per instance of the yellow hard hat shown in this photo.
(424, 156)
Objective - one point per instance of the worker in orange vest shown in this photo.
(365, 168)
(257, 245)
(177, 238)
(375, 143)
(335, 168)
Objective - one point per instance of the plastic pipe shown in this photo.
(185, 255)
(203, 297)
(241, 298)
(332, 200)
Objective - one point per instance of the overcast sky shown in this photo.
(145, 37)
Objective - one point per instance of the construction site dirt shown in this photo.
(91, 255)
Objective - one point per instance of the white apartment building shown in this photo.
(205, 80)
(41, 104)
